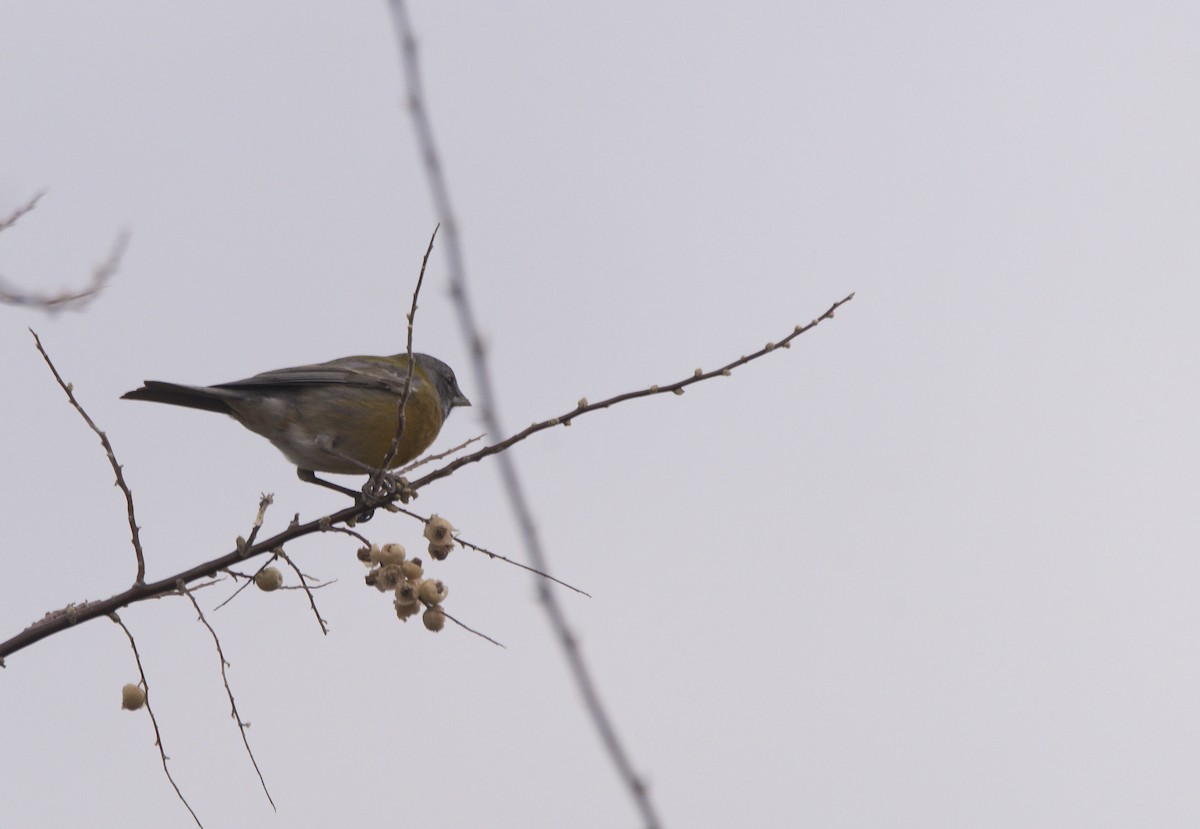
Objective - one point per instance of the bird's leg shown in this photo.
(308, 476)
(378, 488)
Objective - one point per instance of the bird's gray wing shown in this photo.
(363, 372)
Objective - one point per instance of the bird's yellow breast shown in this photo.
(344, 429)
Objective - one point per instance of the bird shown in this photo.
(338, 417)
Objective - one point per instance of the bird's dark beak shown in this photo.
(459, 399)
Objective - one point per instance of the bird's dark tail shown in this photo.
(194, 397)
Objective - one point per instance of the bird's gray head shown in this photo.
(444, 381)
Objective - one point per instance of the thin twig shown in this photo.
(472, 630)
(304, 583)
(315, 586)
(347, 531)
(526, 567)
(242, 587)
(238, 574)
(377, 478)
(154, 720)
(490, 554)
(512, 484)
(242, 545)
(11, 219)
(248, 579)
(242, 726)
(584, 407)
(112, 459)
(439, 455)
(200, 585)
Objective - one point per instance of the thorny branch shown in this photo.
(112, 459)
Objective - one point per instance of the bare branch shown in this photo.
(584, 407)
(242, 726)
(154, 721)
(112, 459)
(66, 300)
(59, 620)
(512, 484)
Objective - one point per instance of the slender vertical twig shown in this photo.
(512, 484)
(412, 313)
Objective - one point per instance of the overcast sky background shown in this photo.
(934, 566)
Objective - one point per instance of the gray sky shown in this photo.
(934, 566)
